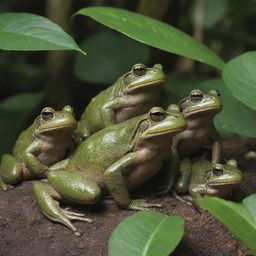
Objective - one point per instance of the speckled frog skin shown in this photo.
(114, 160)
(47, 141)
(132, 94)
(202, 178)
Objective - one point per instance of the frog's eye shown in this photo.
(47, 114)
(217, 170)
(157, 114)
(196, 95)
(139, 70)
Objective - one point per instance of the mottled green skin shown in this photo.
(199, 180)
(114, 160)
(128, 97)
(39, 146)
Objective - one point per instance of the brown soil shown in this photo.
(25, 231)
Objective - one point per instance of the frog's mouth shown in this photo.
(206, 111)
(170, 131)
(231, 183)
(61, 127)
(149, 84)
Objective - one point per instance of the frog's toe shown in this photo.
(4, 186)
(76, 216)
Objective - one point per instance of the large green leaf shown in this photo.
(239, 75)
(238, 218)
(146, 234)
(153, 32)
(26, 31)
(233, 110)
(110, 55)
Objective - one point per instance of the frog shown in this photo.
(199, 109)
(46, 141)
(202, 178)
(133, 94)
(115, 161)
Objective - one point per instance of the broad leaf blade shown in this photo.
(153, 32)
(239, 75)
(250, 204)
(26, 31)
(146, 234)
(111, 55)
(235, 217)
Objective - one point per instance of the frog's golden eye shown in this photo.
(47, 114)
(139, 70)
(157, 114)
(217, 170)
(196, 95)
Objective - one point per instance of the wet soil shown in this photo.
(24, 231)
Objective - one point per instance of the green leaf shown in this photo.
(239, 75)
(153, 32)
(233, 110)
(235, 216)
(146, 234)
(14, 114)
(26, 31)
(111, 55)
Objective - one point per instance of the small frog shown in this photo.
(204, 179)
(47, 141)
(131, 95)
(199, 110)
(115, 160)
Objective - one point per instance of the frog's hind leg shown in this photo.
(45, 195)
(10, 171)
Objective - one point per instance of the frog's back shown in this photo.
(23, 141)
(199, 169)
(104, 147)
(92, 114)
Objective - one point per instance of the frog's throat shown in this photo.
(152, 83)
(210, 110)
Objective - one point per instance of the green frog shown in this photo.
(132, 94)
(47, 141)
(199, 110)
(203, 178)
(115, 160)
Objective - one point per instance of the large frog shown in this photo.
(47, 141)
(131, 95)
(114, 160)
(199, 110)
(202, 178)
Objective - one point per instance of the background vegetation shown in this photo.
(32, 80)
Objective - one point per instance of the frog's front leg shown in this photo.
(10, 171)
(32, 162)
(107, 112)
(115, 182)
(70, 186)
(185, 172)
(216, 147)
(59, 165)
